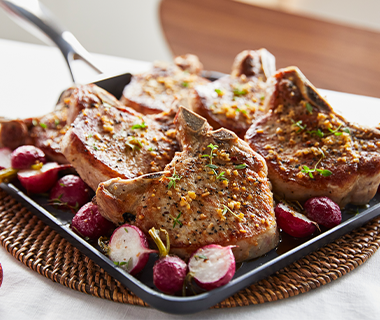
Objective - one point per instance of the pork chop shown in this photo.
(105, 142)
(155, 90)
(311, 150)
(47, 132)
(215, 191)
(234, 101)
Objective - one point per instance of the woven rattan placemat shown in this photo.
(40, 248)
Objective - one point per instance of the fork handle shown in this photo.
(34, 17)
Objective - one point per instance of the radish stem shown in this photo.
(163, 251)
(7, 174)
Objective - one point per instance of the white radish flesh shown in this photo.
(128, 248)
(212, 266)
(5, 158)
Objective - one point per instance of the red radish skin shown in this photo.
(41, 180)
(5, 158)
(70, 192)
(88, 222)
(169, 273)
(1, 275)
(212, 266)
(324, 211)
(128, 248)
(292, 222)
(25, 156)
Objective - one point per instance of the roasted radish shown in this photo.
(70, 192)
(5, 158)
(292, 222)
(128, 248)
(169, 272)
(25, 157)
(212, 266)
(324, 211)
(42, 179)
(89, 223)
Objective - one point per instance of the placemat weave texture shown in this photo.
(40, 248)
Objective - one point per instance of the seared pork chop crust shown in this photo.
(234, 101)
(105, 142)
(310, 149)
(47, 132)
(215, 191)
(154, 91)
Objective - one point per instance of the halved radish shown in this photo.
(40, 180)
(26, 156)
(89, 223)
(128, 248)
(294, 223)
(5, 158)
(212, 266)
(169, 272)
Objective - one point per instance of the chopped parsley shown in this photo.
(56, 122)
(185, 84)
(43, 125)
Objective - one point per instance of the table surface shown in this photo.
(31, 79)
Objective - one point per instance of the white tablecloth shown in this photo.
(31, 78)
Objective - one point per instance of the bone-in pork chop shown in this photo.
(154, 91)
(215, 191)
(105, 142)
(311, 150)
(46, 132)
(234, 101)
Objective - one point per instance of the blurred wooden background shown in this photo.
(332, 56)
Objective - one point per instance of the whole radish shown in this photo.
(212, 266)
(292, 222)
(89, 223)
(128, 248)
(169, 272)
(324, 211)
(26, 156)
(70, 192)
